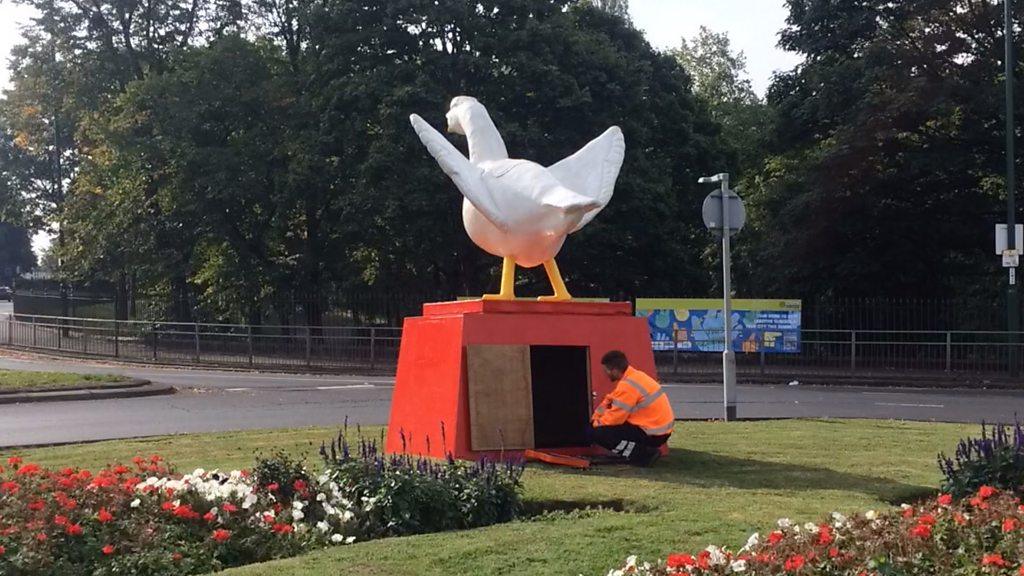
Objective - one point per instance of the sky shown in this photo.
(752, 25)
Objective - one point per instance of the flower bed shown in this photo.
(980, 535)
(145, 520)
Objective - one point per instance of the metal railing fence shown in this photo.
(964, 355)
(869, 353)
(237, 345)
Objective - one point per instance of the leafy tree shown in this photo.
(886, 174)
(721, 82)
(617, 7)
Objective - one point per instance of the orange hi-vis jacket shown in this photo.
(639, 400)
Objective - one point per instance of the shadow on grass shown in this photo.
(702, 469)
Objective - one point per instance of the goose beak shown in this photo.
(454, 125)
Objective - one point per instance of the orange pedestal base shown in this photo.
(431, 390)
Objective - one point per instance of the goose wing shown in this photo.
(593, 170)
(468, 177)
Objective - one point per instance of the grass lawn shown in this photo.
(20, 381)
(720, 483)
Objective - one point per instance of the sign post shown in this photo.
(724, 214)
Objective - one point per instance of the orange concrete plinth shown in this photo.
(431, 389)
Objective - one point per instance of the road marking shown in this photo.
(910, 405)
(691, 386)
(236, 389)
(363, 385)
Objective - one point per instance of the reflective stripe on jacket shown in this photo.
(639, 400)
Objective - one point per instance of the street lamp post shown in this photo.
(1012, 304)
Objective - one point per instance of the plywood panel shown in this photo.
(500, 397)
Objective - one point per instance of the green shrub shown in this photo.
(404, 494)
(995, 459)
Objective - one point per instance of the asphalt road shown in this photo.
(211, 401)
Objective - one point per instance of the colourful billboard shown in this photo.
(697, 325)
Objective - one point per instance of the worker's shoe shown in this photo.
(648, 460)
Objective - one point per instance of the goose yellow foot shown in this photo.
(561, 293)
(508, 281)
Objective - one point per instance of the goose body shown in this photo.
(517, 209)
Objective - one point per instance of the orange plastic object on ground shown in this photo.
(556, 459)
(431, 390)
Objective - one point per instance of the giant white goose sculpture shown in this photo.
(517, 209)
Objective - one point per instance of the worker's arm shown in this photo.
(616, 407)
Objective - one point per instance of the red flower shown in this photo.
(979, 502)
(41, 537)
(74, 530)
(229, 507)
(908, 512)
(103, 516)
(1010, 524)
(994, 560)
(121, 469)
(704, 560)
(299, 485)
(272, 487)
(926, 519)
(3, 550)
(986, 492)
(185, 512)
(833, 552)
(60, 520)
(70, 504)
(945, 499)
(107, 550)
(221, 535)
(10, 487)
(167, 506)
(176, 557)
(209, 516)
(13, 461)
(921, 531)
(960, 519)
(825, 535)
(775, 537)
(268, 518)
(794, 563)
(28, 470)
(36, 505)
(680, 561)
(283, 528)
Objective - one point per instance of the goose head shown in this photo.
(457, 110)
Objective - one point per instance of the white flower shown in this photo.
(249, 501)
(298, 505)
(337, 538)
(753, 541)
(716, 555)
(738, 566)
(298, 515)
(616, 572)
(321, 497)
(839, 520)
(811, 527)
(631, 563)
(784, 523)
(136, 503)
(871, 515)
(323, 527)
(350, 539)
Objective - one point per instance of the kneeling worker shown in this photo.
(636, 419)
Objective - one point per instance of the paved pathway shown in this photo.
(220, 400)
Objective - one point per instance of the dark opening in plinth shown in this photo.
(561, 395)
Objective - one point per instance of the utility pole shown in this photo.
(723, 211)
(1012, 301)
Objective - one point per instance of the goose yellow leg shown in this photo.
(508, 281)
(561, 293)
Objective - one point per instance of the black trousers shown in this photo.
(628, 441)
